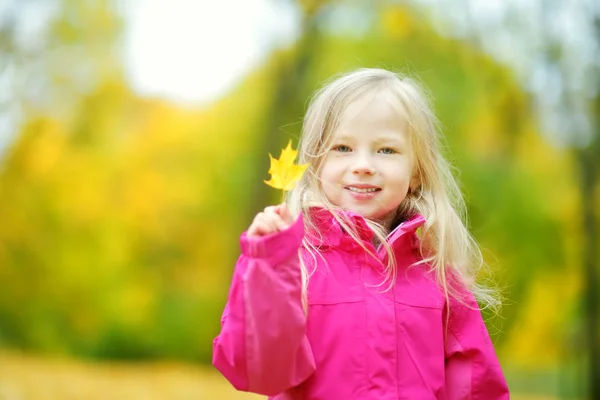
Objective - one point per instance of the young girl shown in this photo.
(335, 296)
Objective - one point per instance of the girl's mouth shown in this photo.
(362, 190)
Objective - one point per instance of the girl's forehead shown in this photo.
(372, 110)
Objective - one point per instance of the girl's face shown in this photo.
(369, 166)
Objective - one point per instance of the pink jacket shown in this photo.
(359, 341)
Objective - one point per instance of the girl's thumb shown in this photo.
(285, 215)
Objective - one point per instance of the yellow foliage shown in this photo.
(397, 22)
(80, 188)
(144, 197)
(46, 148)
(554, 171)
(537, 336)
(485, 139)
(85, 323)
(135, 303)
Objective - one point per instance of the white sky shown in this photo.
(192, 51)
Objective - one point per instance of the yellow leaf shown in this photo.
(284, 173)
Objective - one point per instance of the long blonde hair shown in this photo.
(446, 244)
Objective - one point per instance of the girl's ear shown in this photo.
(413, 190)
(415, 179)
(415, 183)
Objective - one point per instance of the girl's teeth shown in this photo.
(362, 190)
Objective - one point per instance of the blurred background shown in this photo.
(133, 145)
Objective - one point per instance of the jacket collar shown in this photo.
(330, 233)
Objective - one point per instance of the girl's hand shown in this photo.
(272, 219)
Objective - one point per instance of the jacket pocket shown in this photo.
(421, 370)
(420, 296)
(336, 329)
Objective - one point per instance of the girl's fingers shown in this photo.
(281, 225)
(266, 222)
(271, 209)
(257, 227)
(273, 219)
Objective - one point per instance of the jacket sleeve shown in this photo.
(262, 346)
(472, 368)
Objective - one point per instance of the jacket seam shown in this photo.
(333, 302)
(418, 305)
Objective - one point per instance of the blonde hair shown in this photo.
(446, 244)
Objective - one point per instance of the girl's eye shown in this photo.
(387, 150)
(342, 148)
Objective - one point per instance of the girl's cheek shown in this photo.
(338, 164)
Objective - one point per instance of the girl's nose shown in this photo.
(363, 165)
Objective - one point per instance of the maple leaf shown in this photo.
(284, 173)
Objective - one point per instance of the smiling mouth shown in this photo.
(362, 190)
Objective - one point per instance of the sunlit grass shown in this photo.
(31, 377)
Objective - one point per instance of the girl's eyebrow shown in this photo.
(387, 138)
(379, 139)
(343, 137)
